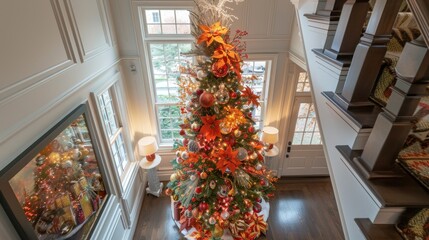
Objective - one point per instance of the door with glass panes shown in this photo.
(304, 154)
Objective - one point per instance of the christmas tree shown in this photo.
(220, 181)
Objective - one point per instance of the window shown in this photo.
(167, 21)
(254, 75)
(166, 36)
(112, 124)
(306, 128)
(303, 84)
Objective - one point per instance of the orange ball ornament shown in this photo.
(207, 99)
(203, 175)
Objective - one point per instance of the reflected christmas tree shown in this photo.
(221, 184)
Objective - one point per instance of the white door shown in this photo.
(304, 155)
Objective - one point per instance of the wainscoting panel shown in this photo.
(90, 27)
(32, 48)
(259, 18)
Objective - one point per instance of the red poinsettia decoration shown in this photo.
(227, 160)
(251, 97)
(212, 33)
(210, 128)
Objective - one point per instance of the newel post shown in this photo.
(369, 55)
(393, 125)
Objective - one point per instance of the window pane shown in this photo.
(297, 137)
(167, 16)
(307, 123)
(300, 87)
(306, 138)
(316, 139)
(310, 124)
(175, 111)
(165, 68)
(312, 112)
(168, 29)
(152, 16)
(108, 113)
(307, 87)
(254, 77)
(184, 29)
(182, 16)
(154, 29)
(166, 135)
(303, 109)
(169, 121)
(303, 83)
(300, 124)
(167, 22)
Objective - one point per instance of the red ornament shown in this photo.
(257, 207)
(233, 95)
(168, 191)
(199, 92)
(182, 132)
(185, 141)
(203, 206)
(207, 99)
(198, 190)
(251, 129)
(220, 71)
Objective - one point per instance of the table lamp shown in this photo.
(147, 147)
(270, 136)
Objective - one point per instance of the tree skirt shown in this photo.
(227, 234)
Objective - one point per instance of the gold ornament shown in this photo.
(224, 128)
(173, 177)
(237, 133)
(218, 232)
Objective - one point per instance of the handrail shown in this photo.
(420, 9)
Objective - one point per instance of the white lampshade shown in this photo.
(147, 146)
(270, 135)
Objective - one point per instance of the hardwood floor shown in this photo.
(303, 208)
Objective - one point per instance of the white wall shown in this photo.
(52, 55)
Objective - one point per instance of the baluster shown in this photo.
(393, 125)
(349, 29)
(369, 54)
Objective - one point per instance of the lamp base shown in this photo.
(155, 192)
(272, 152)
(150, 157)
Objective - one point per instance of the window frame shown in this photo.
(115, 89)
(145, 40)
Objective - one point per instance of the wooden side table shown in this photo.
(155, 187)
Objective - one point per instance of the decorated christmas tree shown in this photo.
(220, 184)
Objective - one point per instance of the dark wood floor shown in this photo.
(303, 208)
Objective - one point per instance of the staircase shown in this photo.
(368, 87)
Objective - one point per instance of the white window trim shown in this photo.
(117, 98)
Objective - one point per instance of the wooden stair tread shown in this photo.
(377, 231)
